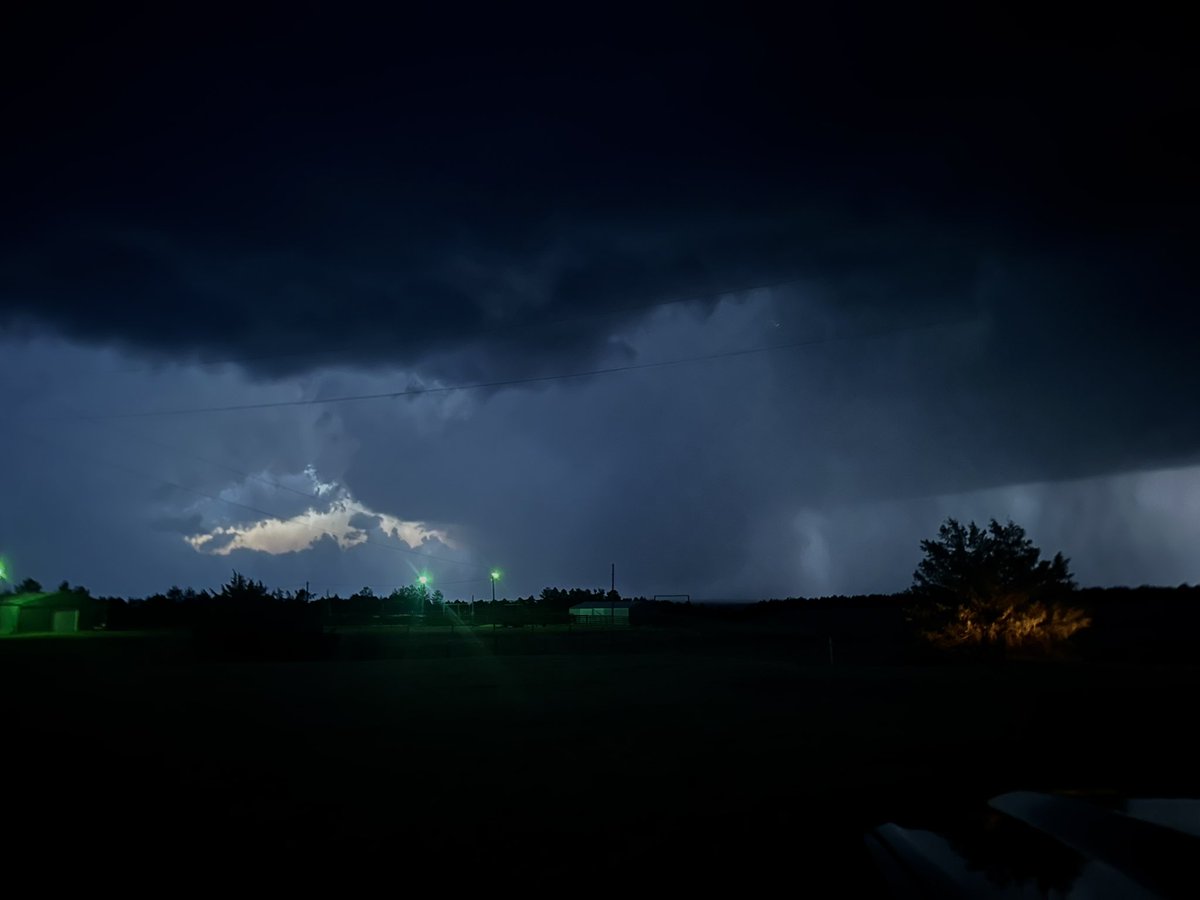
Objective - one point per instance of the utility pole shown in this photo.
(612, 597)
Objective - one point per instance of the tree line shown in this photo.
(976, 589)
(248, 602)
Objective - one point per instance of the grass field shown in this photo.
(548, 753)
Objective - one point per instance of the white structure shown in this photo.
(601, 612)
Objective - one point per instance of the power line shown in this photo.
(296, 491)
(512, 382)
(254, 509)
(445, 389)
(140, 437)
(434, 584)
(501, 327)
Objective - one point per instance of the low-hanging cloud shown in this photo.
(982, 273)
(343, 521)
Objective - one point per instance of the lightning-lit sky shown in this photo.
(746, 305)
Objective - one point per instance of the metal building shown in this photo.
(57, 613)
(601, 612)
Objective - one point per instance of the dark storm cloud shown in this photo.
(348, 205)
(364, 521)
(185, 525)
(705, 479)
(309, 188)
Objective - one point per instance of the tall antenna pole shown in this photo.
(612, 597)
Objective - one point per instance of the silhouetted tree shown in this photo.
(242, 589)
(561, 600)
(29, 586)
(989, 587)
(434, 600)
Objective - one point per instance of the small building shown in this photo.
(57, 613)
(601, 612)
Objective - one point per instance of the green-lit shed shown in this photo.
(58, 613)
(601, 612)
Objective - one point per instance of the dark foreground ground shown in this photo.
(515, 758)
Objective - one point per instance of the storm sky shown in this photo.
(744, 304)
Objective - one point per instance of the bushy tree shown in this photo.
(561, 599)
(415, 598)
(980, 587)
(241, 589)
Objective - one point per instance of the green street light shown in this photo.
(423, 580)
(495, 577)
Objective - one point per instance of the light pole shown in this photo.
(495, 576)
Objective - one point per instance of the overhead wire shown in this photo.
(500, 328)
(137, 473)
(500, 383)
(145, 439)
(510, 382)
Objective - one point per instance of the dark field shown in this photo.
(696, 756)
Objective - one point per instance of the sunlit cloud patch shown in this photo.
(346, 521)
